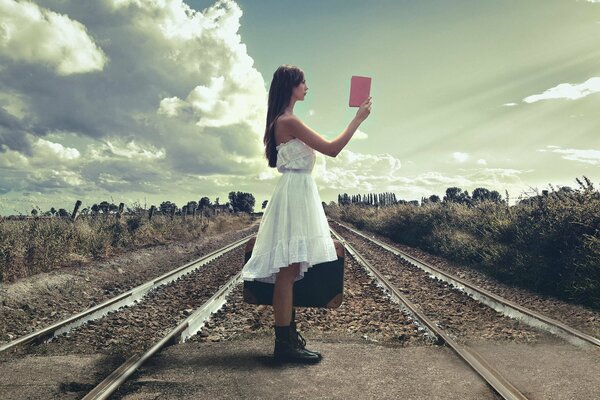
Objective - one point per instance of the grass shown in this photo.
(549, 244)
(28, 247)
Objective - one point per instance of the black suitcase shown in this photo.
(322, 285)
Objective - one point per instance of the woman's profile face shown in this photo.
(300, 91)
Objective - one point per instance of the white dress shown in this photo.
(293, 227)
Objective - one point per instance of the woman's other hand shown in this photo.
(364, 110)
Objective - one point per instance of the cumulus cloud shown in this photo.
(360, 135)
(460, 157)
(45, 146)
(150, 95)
(35, 35)
(586, 156)
(481, 161)
(568, 91)
(130, 150)
(356, 170)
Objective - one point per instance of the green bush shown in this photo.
(549, 244)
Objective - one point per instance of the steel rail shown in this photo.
(122, 300)
(496, 302)
(489, 374)
(184, 330)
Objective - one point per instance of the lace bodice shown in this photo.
(295, 155)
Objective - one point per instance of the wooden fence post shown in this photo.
(121, 205)
(74, 214)
(152, 208)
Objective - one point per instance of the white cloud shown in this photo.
(481, 161)
(68, 153)
(170, 106)
(356, 170)
(460, 157)
(32, 34)
(509, 104)
(11, 159)
(587, 156)
(360, 135)
(568, 91)
(129, 150)
(311, 112)
(180, 99)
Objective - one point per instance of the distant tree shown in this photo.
(413, 203)
(481, 194)
(456, 195)
(344, 199)
(63, 213)
(217, 201)
(104, 207)
(191, 206)
(204, 203)
(34, 212)
(241, 201)
(264, 204)
(495, 196)
(434, 198)
(52, 211)
(95, 209)
(166, 207)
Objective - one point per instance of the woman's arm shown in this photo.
(332, 148)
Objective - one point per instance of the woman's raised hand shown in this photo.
(364, 110)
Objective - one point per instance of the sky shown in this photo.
(153, 100)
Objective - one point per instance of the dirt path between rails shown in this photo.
(40, 300)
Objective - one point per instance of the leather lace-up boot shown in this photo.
(297, 337)
(287, 349)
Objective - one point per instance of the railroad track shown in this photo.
(188, 327)
(498, 303)
(217, 265)
(118, 302)
(487, 372)
(427, 327)
(197, 319)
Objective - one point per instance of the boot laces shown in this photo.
(300, 340)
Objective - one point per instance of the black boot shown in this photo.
(287, 349)
(297, 337)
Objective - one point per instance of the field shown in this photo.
(548, 243)
(35, 245)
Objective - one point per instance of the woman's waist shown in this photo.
(295, 171)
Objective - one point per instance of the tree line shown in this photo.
(238, 202)
(453, 195)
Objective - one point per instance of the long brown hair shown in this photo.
(285, 79)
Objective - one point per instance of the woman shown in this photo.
(293, 234)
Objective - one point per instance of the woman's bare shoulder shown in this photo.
(284, 127)
(288, 118)
(289, 122)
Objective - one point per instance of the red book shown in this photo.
(360, 88)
